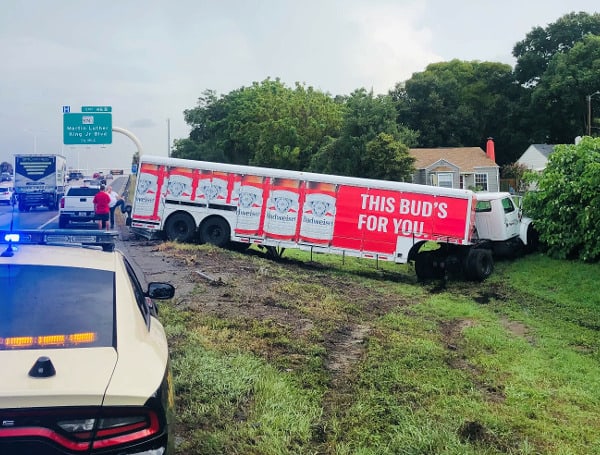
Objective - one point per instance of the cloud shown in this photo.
(389, 48)
(142, 123)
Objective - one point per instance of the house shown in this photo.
(536, 156)
(457, 167)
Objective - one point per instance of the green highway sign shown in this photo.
(87, 128)
(96, 108)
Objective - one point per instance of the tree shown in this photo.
(266, 124)
(535, 52)
(559, 100)
(565, 205)
(387, 159)
(460, 104)
(366, 117)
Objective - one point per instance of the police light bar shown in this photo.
(104, 239)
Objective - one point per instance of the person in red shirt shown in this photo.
(102, 207)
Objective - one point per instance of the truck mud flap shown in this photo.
(146, 233)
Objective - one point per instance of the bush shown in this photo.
(566, 204)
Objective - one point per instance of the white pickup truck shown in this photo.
(77, 205)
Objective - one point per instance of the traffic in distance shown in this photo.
(42, 216)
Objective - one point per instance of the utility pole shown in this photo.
(169, 137)
(589, 116)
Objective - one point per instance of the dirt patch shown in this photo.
(452, 335)
(248, 287)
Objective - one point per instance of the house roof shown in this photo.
(544, 149)
(467, 159)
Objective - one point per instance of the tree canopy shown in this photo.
(539, 46)
(560, 98)
(264, 124)
(269, 124)
(461, 104)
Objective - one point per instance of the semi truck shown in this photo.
(443, 231)
(39, 180)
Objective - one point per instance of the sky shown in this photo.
(150, 60)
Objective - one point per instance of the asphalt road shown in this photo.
(42, 218)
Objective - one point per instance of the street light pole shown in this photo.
(589, 106)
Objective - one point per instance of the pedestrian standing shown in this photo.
(102, 207)
(116, 200)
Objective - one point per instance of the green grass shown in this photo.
(511, 365)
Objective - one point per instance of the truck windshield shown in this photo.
(82, 191)
(55, 307)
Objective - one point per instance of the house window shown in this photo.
(462, 181)
(481, 182)
(445, 180)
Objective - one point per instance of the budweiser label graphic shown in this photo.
(250, 201)
(147, 192)
(281, 216)
(318, 213)
(180, 186)
(211, 188)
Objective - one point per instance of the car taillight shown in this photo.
(125, 426)
(62, 202)
(82, 429)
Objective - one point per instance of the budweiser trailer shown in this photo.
(225, 204)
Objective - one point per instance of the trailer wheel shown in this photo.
(215, 230)
(479, 264)
(180, 227)
(424, 265)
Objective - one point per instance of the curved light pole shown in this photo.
(589, 106)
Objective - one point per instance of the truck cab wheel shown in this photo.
(215, 230)
(180, 227)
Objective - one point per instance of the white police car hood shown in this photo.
(81, 377)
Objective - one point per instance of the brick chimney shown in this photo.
(489, 149)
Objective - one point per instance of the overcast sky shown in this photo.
(152, 59)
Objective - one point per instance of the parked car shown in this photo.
(7, 195)
(6, 177)
(85, 361)
(77, 205)
(75, 176)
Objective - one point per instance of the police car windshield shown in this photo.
(55, 307)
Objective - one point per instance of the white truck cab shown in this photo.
(499, 220)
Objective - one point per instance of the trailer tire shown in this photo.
(424, 265)
(215, 230)
(479, 264)
(180, 227)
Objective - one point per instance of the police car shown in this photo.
(84, 363)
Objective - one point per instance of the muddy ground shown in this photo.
(247, 285)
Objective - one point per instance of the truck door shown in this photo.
(512, 217)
